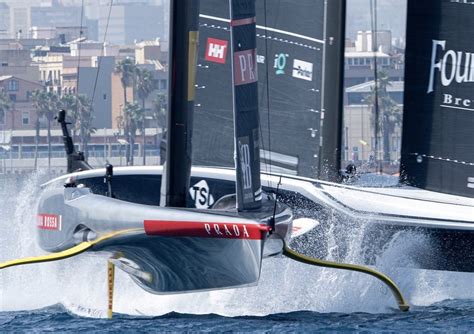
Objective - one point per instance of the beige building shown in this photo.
(22, 114)
(359, 139)
(53, 66)
(118, 99)
(14, 60)
(150, 50)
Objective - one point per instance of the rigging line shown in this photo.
(79, 54)
(268, 93)
(373, 21)
(101, 53)
(262, 142)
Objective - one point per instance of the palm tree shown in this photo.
(390, 114)
(126, 70)
(39, 99)
(136, 116)
(85, 117)
(145, 84)
(5, 106)
(159, 115)
(69, 103)
(53, 106)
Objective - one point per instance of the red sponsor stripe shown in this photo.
(48, 221)
(171, 228)
(242, 22)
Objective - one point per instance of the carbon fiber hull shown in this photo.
(165, 250)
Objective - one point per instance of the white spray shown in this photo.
(80, 283)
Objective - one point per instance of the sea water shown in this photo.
(71, 295)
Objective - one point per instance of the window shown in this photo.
(25, 117)
(163, 84)
(2, 117)
(13, 85)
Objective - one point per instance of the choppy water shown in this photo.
(71, 295)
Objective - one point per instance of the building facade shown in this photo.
(22, 114)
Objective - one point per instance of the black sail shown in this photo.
(290, 44)
(333, 93)
(438, 124)
(245, 103)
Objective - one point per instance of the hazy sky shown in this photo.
(391, 15)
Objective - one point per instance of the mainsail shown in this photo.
(290, 44)
(438, 121)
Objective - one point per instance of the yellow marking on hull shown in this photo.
(111, 278)
(73, 251)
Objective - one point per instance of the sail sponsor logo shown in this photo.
(452, 65)
(245, 67)
(279, 63)
(450, 101)
(260, 59)
(49, 222)
(203, 229)
(201, 195)
(302, 70)
(470, 182)
(220, 230)
(467, 2)
(245, 166)
(216, 50)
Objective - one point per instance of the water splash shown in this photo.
(285, 286)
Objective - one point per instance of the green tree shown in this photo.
(136, 117)
(85, 116)
(47, 105)
(160, 106)
(53, 106)
(145, 84)
(69, 103)
(390, 115)
(5, 106)
(39, 103)
(127, 71)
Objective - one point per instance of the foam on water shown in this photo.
(80, 283)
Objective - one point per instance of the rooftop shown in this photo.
(367, 87)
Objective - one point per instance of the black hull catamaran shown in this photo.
(173, 248)
(301, 69)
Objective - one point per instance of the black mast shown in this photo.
(333, 94)
(184, 18)
(245, 94)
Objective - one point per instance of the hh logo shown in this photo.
(245, 67)
(216, 50)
